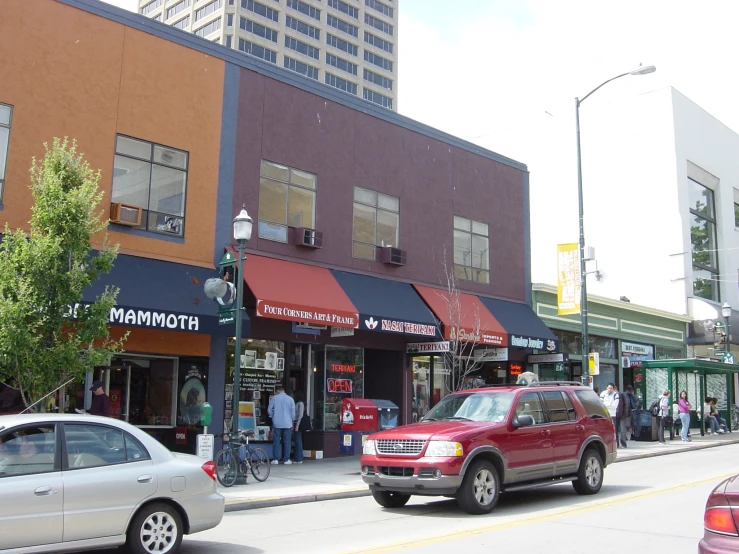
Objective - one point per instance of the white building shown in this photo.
(662, 208)
(351, 45)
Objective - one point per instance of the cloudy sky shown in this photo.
(504, 74)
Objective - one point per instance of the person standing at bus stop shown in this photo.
(282, 411)
(684, 407)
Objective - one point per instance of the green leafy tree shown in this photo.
(44, 341)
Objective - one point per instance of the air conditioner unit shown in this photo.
(308, 238)
(392, 256)
(125, 214)
(625, 362)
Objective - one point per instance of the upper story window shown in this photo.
(304, 28)
(736, 197)
(257, 51)
(287, 198)
(380, 7)
(341, 44)
(6, 117)
(341, 25)
(379, 61)
(177, 8)
(154, 178)
(209, 28)
(260, 9)
(342, 64)
(302, 47)
(373, 77)
(377, 98)
(300, 67)
(151, 6)
(344, 8)
(259, 30)
(385, 45)
(703, 241)
(304, 8)
(378, 24)
(209, 9)
(183, 23)
(471, 250)
(376, 222)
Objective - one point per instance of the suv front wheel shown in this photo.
(590, 475)
(479, 491)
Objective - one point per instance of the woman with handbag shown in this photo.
(298, 431)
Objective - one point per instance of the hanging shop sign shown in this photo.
(397, 326)
(568, 279)
(479, 336)
(305, 314)
(341, 332)
(633, 354)
(547, 358)
(491, 355)
(531, 342)
(427, 347)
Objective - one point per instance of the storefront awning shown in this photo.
(388, 306)
(160, 295)
(524, 328)
(468, 316)
(293, 291)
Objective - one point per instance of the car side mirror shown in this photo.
(523, 421)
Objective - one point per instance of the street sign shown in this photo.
(226, 317)
(593, 363)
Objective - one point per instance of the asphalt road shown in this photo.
(653, 504)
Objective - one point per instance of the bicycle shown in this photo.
(735, 418)
(238, 458)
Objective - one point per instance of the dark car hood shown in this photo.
(438, 430)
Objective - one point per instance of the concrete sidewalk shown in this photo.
(336, 478)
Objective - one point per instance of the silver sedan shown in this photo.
(78, 482)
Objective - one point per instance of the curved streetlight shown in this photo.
(641, 70)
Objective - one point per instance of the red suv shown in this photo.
(475, 444)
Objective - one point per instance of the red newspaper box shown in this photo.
(358, 414)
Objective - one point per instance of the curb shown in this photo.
(677, 450)
(240, 505)
(272, 502)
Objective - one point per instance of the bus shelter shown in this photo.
(699, 378)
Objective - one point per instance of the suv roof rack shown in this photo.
(556, 384)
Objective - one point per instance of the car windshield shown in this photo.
(478, 406)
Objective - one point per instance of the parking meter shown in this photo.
(206, 415)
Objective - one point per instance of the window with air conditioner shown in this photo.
(152, 177)
(287, 198)
(376, 222)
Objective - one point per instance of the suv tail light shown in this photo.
(210, 468)
(722, 520)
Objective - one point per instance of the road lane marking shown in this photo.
(546, 516)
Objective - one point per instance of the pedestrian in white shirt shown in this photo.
(610, 398)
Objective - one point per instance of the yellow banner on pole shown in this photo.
(568, 279)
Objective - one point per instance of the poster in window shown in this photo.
(192, 397)
(270, 361)
(249, 359)
(261, 363)
(246, 416)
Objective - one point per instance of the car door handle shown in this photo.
(145, 479)
(42, 491)
(546, 433)
(580, 427)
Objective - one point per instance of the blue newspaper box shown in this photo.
(387, 414)
(351, 442)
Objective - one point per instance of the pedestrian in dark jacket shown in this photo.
(623, 416)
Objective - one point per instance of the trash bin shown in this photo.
(387, 414)
(358, 414)
(646, 426)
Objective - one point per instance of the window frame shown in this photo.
(551, 411)
(288, 184)
(542, 408)
(710, 220)
(124, 434)
(472, 234)
(151, 163)
(57, 447)
(376, 207)
(9, 127)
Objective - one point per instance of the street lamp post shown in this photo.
(583, 282)
(726, 312)
(242, 233)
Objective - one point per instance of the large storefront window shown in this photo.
(262, 368)
(338, 373)
(425, 393)
(607, 375)
(571, 343)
